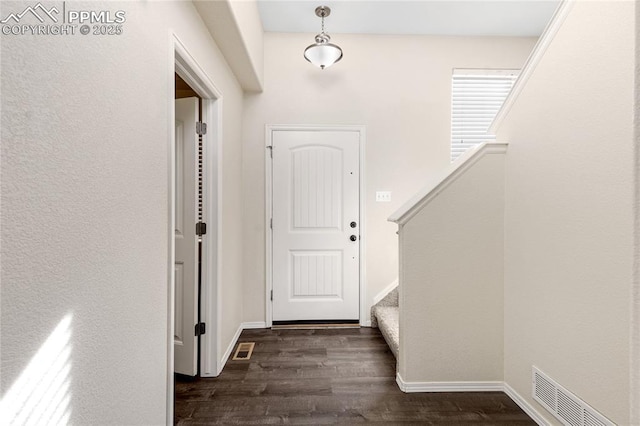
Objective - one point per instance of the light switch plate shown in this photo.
(383, 196)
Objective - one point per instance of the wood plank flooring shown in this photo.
(327, 376)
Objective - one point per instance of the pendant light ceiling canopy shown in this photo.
(323, 53)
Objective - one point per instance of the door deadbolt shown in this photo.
(353, 224)
(353, 238)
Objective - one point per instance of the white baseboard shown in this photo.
(366, 323)
(410, 387)
(526, 407)
(234, 340)
(254, 324)
(227, 353)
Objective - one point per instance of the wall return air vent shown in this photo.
(565, 406)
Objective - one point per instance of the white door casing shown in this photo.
(185, 270)
(180, 61)
(315, 199)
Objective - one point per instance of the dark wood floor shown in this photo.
(328, 376)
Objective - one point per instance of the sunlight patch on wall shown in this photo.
(41, 394)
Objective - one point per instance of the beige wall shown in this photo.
(451, 284)
(399, 88)
(569, 225)
(237, 28)
(248, 21)
(635, 336)
(84, 225)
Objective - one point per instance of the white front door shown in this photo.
(186, 295)
(316, 225)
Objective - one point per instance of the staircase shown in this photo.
(385, 315)
(451, 252)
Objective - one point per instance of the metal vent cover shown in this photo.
(545, 390)
(244, 351)
(591, 420)
(569, 410)
(564, 405)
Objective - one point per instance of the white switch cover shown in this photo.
(383, 196)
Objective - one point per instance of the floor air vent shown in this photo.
(244, 351)
(568, 408)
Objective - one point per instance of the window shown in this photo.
(476, 98)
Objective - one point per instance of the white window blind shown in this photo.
(476, 98)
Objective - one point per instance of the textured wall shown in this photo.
(451, 305)
(399, 87)
(85, 137)
(569, 221)
(635, 354)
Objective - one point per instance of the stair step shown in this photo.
(388, 318)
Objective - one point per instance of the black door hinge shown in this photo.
(272, 295)
(270, 148)
(201, 229)
(201, 128)
(200, 329)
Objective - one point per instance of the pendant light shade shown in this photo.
(322, 53)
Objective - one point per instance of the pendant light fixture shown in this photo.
(322, 53)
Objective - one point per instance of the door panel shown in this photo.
(316, 274)
(315, 198)
(317, 182)
(185, 269)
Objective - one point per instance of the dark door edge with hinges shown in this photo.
(201, 229)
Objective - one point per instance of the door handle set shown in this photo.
(353, 237)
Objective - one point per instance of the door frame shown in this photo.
(186, 66)
(269, 129)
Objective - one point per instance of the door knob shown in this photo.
(353, 238)
(353, 224)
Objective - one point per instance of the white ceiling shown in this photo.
(433, 17)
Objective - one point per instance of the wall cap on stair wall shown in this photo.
(448, 176)
(532, 62)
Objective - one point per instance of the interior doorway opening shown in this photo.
(188, 242)
(186, 78)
